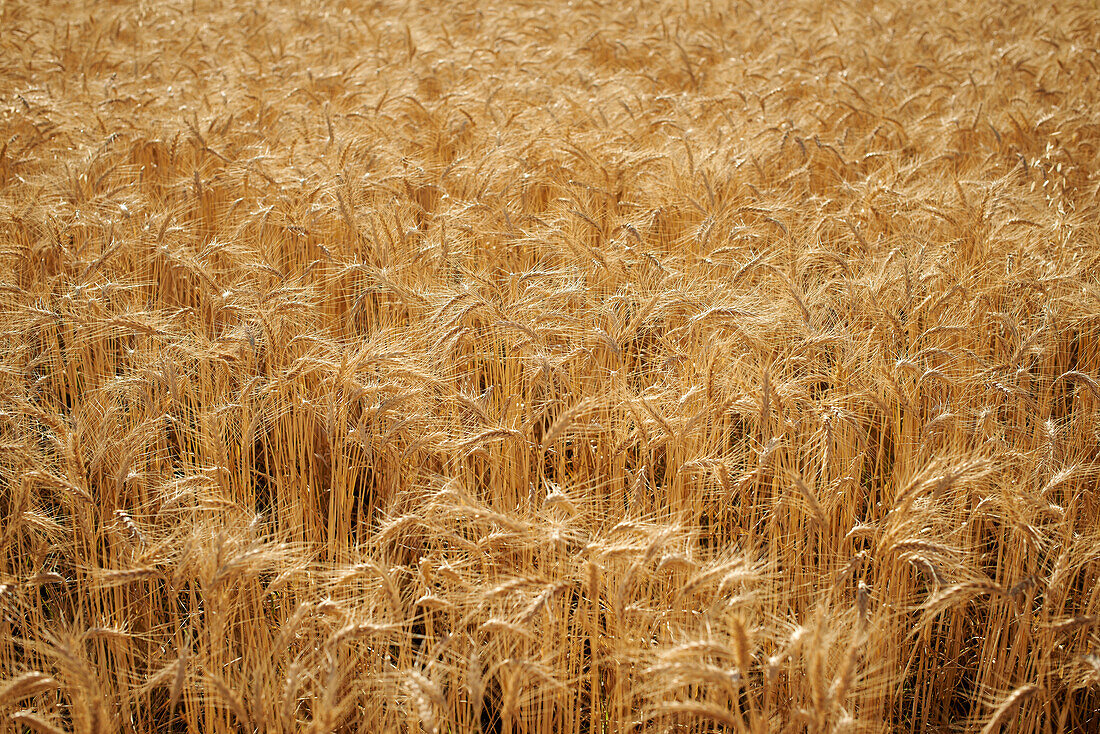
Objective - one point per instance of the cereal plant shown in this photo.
(587, 367)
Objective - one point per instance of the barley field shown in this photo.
(549, 366)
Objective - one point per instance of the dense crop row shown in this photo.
(547, 367)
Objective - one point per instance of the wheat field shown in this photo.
(549, 367)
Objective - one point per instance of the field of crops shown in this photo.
(549, 366)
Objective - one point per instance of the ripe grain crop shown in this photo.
(549, 367)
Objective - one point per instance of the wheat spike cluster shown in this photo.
(584, 367)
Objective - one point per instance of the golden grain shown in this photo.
(531, 367)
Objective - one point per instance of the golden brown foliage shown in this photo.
(546, 367)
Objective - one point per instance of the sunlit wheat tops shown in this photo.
(549, 367)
